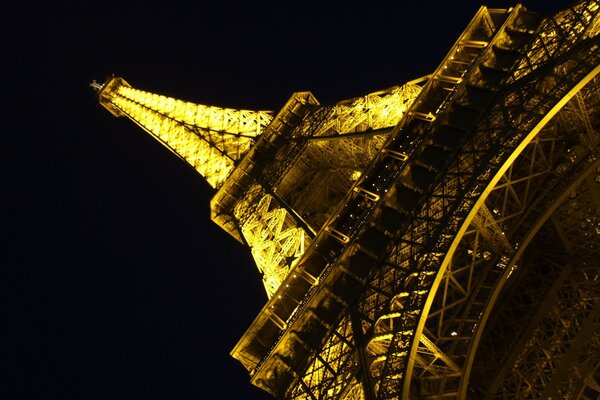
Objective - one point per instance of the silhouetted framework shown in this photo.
(438, 239)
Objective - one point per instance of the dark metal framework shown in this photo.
(487, 210)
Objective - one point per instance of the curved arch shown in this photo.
(531, 234)
(459, 236)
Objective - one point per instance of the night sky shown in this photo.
(117, 284)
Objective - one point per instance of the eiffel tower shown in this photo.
(434, 240)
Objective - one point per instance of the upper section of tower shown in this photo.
(211, 139)
(214, 139)
(279, 176)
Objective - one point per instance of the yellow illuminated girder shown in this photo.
(210, 139)
(275, 242)
(377, 110)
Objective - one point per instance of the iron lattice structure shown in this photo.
(438, 239)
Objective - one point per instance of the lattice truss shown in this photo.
(377, 110)
(559, 33)
(325, 172)
(481, 258)
(210, 139)
(332, 368)
(566, 249)
(495, 236)
(426, 354)
(338, 151)
(487, 254)
(332, 156)
(275, 242)
(543, 341)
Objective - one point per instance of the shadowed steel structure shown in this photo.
(438, 239)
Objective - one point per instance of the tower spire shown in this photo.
(211, 139)
(96, 86)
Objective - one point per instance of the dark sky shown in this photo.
(118, 285)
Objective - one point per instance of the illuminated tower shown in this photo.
(438, 239)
